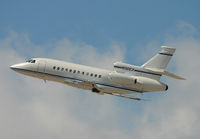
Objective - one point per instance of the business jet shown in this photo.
(123, 80)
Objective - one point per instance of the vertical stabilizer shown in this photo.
(160, 60)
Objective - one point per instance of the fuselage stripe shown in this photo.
(132, 69)
(166, 54)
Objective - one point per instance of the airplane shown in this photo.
(123, 80)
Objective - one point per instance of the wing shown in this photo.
(72, 81)
(91, 85)
(96, 89)
(80, 82)
(125, 96)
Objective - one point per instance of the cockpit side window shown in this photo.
(31, 61)
(28, 61)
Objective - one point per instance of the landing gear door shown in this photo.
(41, 66)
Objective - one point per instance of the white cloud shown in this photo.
(31, 109)
(186, 28)
(176, 115)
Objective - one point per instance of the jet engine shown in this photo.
(122, 79)
(137, 82)
(149, 84)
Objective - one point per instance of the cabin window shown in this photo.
(99, 76)
(62, 69)
(78, 72)
(83, 72)
(58, 68)
(87, 73)
(54, 67)
(66, 69)
(91, 74)
(95, 75)
(74, 71)
(70, 70)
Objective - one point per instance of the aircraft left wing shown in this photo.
(91, 84)
(72, 81)
(88, 83)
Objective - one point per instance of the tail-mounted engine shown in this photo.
(137, 82)
(122, 78)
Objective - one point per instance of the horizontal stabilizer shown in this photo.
(173, 75)
(164, 72)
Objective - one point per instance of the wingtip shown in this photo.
(145, 99)
(181, 78)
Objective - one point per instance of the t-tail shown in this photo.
(159, 62)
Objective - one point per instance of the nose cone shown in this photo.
(17, 67)
(13, 67)
(24, 68)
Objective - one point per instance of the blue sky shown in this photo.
(131, 22)
(105, 31)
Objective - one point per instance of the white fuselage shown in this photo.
(89, 78)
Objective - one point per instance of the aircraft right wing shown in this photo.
(126, 96)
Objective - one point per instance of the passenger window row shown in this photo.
(76, 71)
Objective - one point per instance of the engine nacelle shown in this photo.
(151, 85)
(137, 82)
(122, 79)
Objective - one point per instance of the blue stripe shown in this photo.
(148, 72)
(132, 69)
(166, 54)
(109, 85)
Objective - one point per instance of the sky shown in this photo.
(98, 33)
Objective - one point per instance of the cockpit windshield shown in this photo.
(31, 61)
